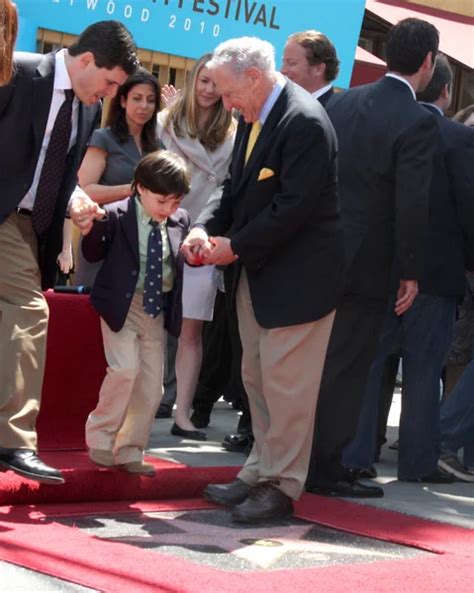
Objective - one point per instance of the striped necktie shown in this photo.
(254, 132)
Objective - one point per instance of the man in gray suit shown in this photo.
(47, 114)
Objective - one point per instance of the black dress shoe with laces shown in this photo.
(264, 503)
(358, 473)
(238, 443)
(346, 488)
(227, 494)
(26, 463)
(437, 476)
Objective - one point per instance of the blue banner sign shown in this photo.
(190, 28)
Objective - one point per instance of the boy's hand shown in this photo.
(83, 211)
(196, 246)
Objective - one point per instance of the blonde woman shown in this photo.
(197, 127)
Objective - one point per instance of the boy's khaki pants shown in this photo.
(132, 388)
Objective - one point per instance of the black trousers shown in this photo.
(351, 349)
(221, 372)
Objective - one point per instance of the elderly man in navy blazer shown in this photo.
(278, 223)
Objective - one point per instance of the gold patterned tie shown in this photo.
(254, 132)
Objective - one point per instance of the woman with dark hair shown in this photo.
(109, 163)
(8, 33)
(196, 126)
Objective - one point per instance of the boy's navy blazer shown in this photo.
(115, 240)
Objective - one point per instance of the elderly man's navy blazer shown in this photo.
(115, 240)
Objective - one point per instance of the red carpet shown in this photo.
(29, 537)
(87, 482)
(75, 367)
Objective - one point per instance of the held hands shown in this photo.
(406, 294)
(83, 211)
(198, 249)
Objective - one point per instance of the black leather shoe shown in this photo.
(265, 502)
(358, 474)
(227, 494)
(193, 435)
(437, 476)
(346, 488)
(201, 418)
(238, 443)
(163, 411)
(26, 463)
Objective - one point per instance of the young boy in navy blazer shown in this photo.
(137, 294)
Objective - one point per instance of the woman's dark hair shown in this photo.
(116, 119)
(162, 172)
(111, 43)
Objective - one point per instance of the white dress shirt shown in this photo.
(61, 82)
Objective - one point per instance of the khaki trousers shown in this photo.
(281, 372)
(23, 327)
(132, 388)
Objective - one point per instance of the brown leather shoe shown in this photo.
(227, 494)
(265, 502)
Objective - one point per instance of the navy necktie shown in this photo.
(152, 290)
(54, 164)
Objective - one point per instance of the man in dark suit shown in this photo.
(277, 219)
(386, 145)
(47, 114)
(422, 335)
(310, 60)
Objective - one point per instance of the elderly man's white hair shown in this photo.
(243, 53)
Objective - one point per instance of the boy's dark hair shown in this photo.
(116, 118)
(442, 76)
(408, 44)
(319, 50)
(162, 172)
(111, 43)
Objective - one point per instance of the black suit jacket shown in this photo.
(281, 212)
(115, 240)
(325, 97)
(386, 144)
(24, 110)
(450, 237)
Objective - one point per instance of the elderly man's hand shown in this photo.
(221, 252)
(83, 211)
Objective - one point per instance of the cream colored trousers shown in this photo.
(281, 372)
(132, 388)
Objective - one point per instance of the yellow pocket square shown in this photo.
(265, 174)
